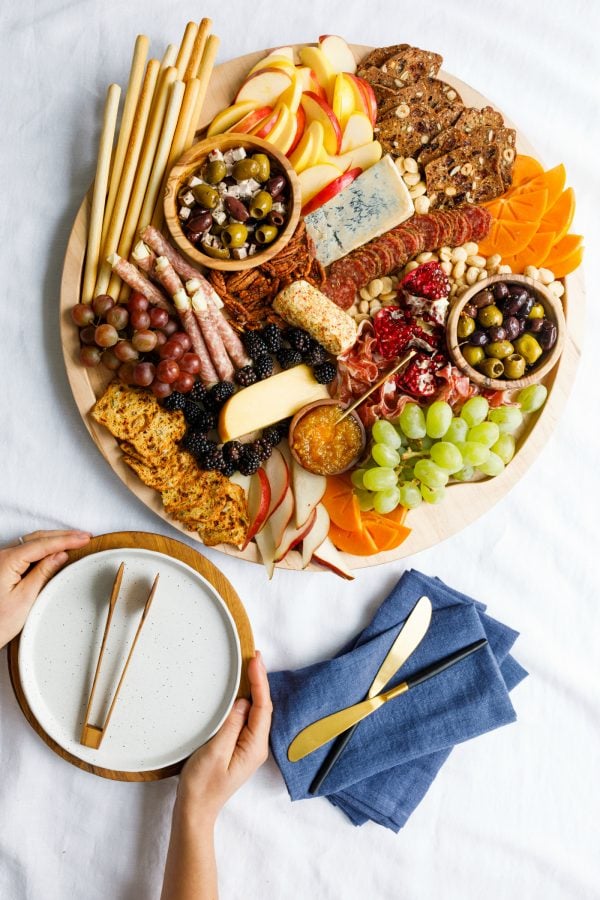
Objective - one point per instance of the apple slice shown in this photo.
(343, 101)
(266, 125)
(328, 555)
(318, 110)
(259, 501)
(330, 190)
(278, 473)
(310, 148)
(300, 124)
(363, 157)
(357, 132)
(284, 130)
(273, 61)
(287, 52)
(229, 116)
(308, 491)
(338, 53)
(370, 98)
(293, 535)
(364, 98)
(250, 120)
(316, 535)
(264, 86)
(266, 548)
(292, 95)
(314, 179)
(280, 517)
(309, 82)
(316, 60)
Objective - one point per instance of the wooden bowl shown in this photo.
(193, 160)
(305, 409)
(554, 312)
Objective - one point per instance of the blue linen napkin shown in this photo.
(395, 754)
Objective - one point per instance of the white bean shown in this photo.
(446, 266)
(458, 269)
(400, 164)
(474, 260)
(471, 247)
(493, 261)
(374, 288)
(422, 205)
(353, 311)
(557, 288)
(386, 284)
(418, 190)
(412, 178)
(459, 254)
(472, 275)
(388, 297)
(546, 276)
(363, 306)
(504, 270)
(453, 289)
(364, 293)
(482, 275)
(410, 266)
(445, 253)
(532, 272)
(374, 307)
(424, 257)
(362, 316)
(411, 165)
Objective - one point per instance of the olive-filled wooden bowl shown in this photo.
(210, 201)
(506, 337)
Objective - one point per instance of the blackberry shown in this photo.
(263, 366)
(218, 394)
(287, 359)
(283, 428)
(227, 469)
(315, 354)
(250, 461)
(272, 435)
(232, 451)
(174, 401)
(192, 411)
(254, 344)
(325, 372)
(246, 376)
(298, 339)
(197, 393)
(212, 459)
(271, 336)
(196, 443)
(204, 421)
(263, 448)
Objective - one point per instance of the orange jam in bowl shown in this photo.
(324, 445)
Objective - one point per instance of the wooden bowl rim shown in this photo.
(190, 161)
(315, 403)
(552, 305)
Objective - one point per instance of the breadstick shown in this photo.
(129, 168)
(132, 94)
(169, 57)
(99, 194)
(204, 73)
(198, 49)
(185, 50)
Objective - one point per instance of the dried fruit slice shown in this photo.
(340, 502)
(558, 218)
(528, 206)
(524, 169)
(553, 181)
(507, 238)
(568, 264)
(387, 535)
(562, 249)
(359, 543)
(533, 254)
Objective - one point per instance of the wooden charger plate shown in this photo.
(141, 540)
(429, 524)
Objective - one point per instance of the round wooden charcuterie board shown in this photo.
(430, 524)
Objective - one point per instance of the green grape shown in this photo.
(507, 418)
(432, 495)
(485, 433)
(402, 436)
(457, 431)
(492, 466)
(365, 500)
(504, 448)
(410, 496)
(357, 478)
(532, 398)
(447, 456)
(475, 410)
(466, 474)
(380, 479)
(473, 454)
(384, 455)
(384, 433)
(412, 421)
(438, 418)
(430, 474)
(385, 501)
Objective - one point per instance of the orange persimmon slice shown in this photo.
(528, 206)
(397, 515)
(562, 249)
(387, 535)
(568, 264)
(533, 254)
(525, 168)
(558, 218)
(507, 237)
(340, 502)
(358, 543)
(553, 181)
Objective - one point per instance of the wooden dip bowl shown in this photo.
(191, 161)
(554, 311)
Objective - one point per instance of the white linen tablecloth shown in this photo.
(512, 814)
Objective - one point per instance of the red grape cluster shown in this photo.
(138, 341)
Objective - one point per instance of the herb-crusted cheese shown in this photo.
(375, 202)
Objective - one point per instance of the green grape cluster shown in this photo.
(414, 457)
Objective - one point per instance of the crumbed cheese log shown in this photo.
(162, 247)
(304, 306)
(134, 278)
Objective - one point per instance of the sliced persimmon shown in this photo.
(558, 218)
(528, 206)
(563, 248)
(387, 535)
(397, 515)
(359, 542)
(507, 237)
(533, 254)
(525, 168)
(553, 181)
(568, 264)
(340, 502)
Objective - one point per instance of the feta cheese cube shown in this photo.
(220, 216)
(215, 155)
(238, 153)
(184, 212)
(240, 252)
(194, 180)
(188, 198)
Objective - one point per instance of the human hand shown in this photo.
(25, 569)
(216, 771)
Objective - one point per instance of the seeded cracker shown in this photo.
(124, 411)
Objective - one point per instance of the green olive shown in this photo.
(537, 311)
(216, 229)
(473, 355)
(245, 168)
(214, 171)
(466, 326)
(489, 315)
(492, 368)
(499, 349)
(514, 366)
(234, 235)
(264, 166)
(216, 252)
(528, 347)
(265, 234)
(206, 196)
(260, 206)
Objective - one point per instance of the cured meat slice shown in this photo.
(340, 289)
(136, 280)
(162, 247)
(479, 220)
(230, 339)
(168, 277)
(207, 371)
(462, 229)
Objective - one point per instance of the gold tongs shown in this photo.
(91, 735)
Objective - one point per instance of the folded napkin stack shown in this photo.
(395, 754)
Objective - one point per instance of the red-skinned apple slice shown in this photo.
(266, 125)
(300, 123)
(265, 86)
(279, 519)
(308, 491)
(334, 187)
(338, 53)
(278, 473)
(316, 535)
(328, 555)
(259, 501)
(370, 98)
(273, 61)
(309, 82)
(224, 120)
(293, 535)
(316, 60)
(364, 98)
(318, 110)
(250, 120)
(287, 52)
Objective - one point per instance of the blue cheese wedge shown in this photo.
(375, 202)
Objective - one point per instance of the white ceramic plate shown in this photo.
(183, 676)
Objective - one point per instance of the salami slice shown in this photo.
(340, 289)
(168, 277)
(162, 247)
(207, 371)
(230, 339)
(462, 229)
(479, 220)
(134, 278)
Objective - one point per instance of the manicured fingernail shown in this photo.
(241, 705)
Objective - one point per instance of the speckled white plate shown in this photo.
(183, 676)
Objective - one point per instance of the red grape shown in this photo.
(170, 328)
(90, 356)
(106, 336)
(184, 383)
(167, 371)
(82, 314)
(126, 373)
(144, 340)
(137, 302)
(125, 351)
(140, 319)
(160, 389)
(161, 338)
(143, 374)
(102, 303)
(171, 350)
(118, 317)
(158, 317)
(183, 338)
(111, 361)
(190, 362)
(87, 335)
